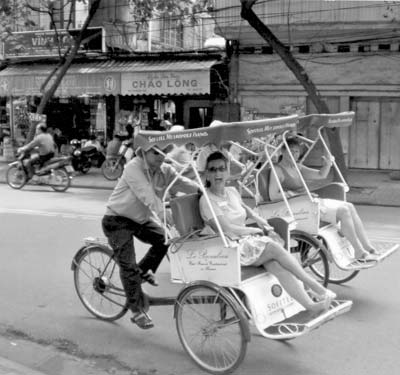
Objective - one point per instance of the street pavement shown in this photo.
(368, 187)
(56, 338)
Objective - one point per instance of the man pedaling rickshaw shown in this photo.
(45, 145)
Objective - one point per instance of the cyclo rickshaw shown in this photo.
(343, 266)
(218, 298)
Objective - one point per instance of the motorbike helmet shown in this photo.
(75, 142)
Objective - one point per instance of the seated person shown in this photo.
(113, 146)
(183, 155)
(45, 145)
(331, 210)
(94, 142)
(236, 167)
(255, 248)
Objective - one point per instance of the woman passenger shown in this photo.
(255, 248)
(331, 210)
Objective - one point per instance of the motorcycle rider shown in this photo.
(44, 143)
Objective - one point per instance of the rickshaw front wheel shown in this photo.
(211, 327)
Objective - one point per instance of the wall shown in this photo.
(347, 82)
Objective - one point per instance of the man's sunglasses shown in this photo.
(215, 169)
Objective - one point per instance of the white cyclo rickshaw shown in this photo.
(343, 266)
(217, 298)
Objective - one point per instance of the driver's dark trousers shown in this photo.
(120, 232)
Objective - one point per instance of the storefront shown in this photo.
(103, 96)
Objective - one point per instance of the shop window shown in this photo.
(171, 32)
(200, 117)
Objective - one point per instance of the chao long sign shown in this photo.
(156, 83)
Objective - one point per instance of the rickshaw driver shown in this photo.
(130, 212)
(331, 210)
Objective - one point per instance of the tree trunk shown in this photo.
(302, 76)
(69, 57)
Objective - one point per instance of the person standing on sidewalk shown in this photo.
(134, 209)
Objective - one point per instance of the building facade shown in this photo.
(350, 49)
(125, 71)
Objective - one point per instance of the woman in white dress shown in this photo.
(257, 249)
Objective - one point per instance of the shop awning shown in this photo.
(153, 77)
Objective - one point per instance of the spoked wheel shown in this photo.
(16, 177)
(211, 328)
(97, 282)
(59, 180)
(112, 169)
(312, 255)
(339, 276)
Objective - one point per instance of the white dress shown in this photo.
(230, 206)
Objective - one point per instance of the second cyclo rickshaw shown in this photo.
(343, 265)
(218, 298)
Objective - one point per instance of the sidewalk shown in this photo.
(370, 187)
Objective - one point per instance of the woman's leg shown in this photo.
(274, 251)
(295, 288)
(348, 228)
(359, 228)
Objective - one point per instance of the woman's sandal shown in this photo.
(321, 297)
(366, 258)
(149, 278)
(142, 320)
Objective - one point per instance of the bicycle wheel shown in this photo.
(311, 254)
(339, 276)
(16, 177)
(59, 180)
(112, 169)
(211, 328)
(97, 282)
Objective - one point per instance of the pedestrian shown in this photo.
(134, 209)
(165, 123)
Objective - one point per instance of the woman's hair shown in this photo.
(293, 141)
(216, 155)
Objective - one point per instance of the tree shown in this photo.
(304, 79)
(142, 10)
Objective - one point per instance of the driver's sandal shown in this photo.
(149, 277)
(142, 320)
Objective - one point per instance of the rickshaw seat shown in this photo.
(186, 213)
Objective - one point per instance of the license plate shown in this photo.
(69, 168)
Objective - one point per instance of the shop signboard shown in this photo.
(71, 84)
(50, 43)
(166, 83)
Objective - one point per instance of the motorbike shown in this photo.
(82, 159)
(57, 172)
(113, 166)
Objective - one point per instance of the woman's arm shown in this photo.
(232, 230)
(315, 174)
(261, 222)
